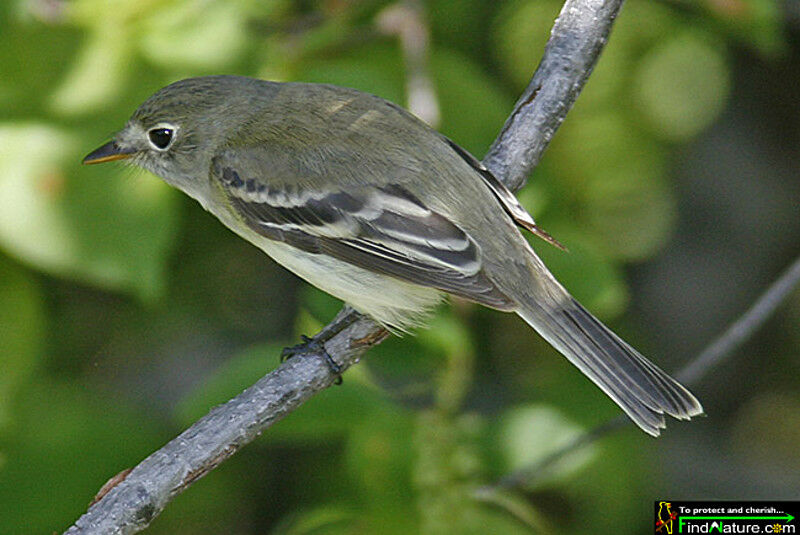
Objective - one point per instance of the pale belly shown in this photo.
(391, 302)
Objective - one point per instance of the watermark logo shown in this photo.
(678, 517)
(664, 518)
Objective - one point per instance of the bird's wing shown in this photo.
(383, 229)
(507, 199)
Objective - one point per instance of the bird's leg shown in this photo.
(311, 345)
(316, 344)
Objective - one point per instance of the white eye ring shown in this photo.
(162, 136)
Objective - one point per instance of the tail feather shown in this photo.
(637, 385)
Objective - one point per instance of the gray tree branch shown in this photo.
(577, 37)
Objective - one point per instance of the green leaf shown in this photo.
(379, 456)
(376, 69)
(64, 446)
(590, 276)
(235, 374)
(603, 140)
(640, 24)
(34, 57)
(473, 106)
(194, 35)
(97, 224)
(519, 34)
(517, 505)
(757, 22)
(332, 414)
(632, 208)
(349, 520)
(446, 335)
(754, 427)
(22, 329)
(98, 74)
(527, 434)
(324, 520)
(94, 14)
(322, 306)
(460, 24)
(682, 85)
(613, 177)
(479, 520)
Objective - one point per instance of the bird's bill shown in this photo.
(108, 153)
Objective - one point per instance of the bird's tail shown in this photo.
(637, 385)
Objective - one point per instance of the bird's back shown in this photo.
(361, 140)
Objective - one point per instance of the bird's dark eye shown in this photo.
(160, 137)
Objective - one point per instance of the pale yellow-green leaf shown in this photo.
(529, 433)
(98, 74)
(615, 175)
(98, 13)
(632, 208)
(194, 35)
(444, 333)
(105, 225)
(682, 85)
(640, 23)
(31, 180)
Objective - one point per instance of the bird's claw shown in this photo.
(308, 345)
(312, 346)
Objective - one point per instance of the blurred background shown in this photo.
(126, 311)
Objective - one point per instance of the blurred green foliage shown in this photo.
(125, 312)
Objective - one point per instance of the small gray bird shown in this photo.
(365, 201)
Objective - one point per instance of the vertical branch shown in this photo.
(578, 36)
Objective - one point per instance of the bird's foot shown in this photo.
(316, 344)
(313, 346)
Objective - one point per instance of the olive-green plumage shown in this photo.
(367, 202)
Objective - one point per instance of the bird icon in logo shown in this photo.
(665, 517)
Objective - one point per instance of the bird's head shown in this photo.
(175, 133)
